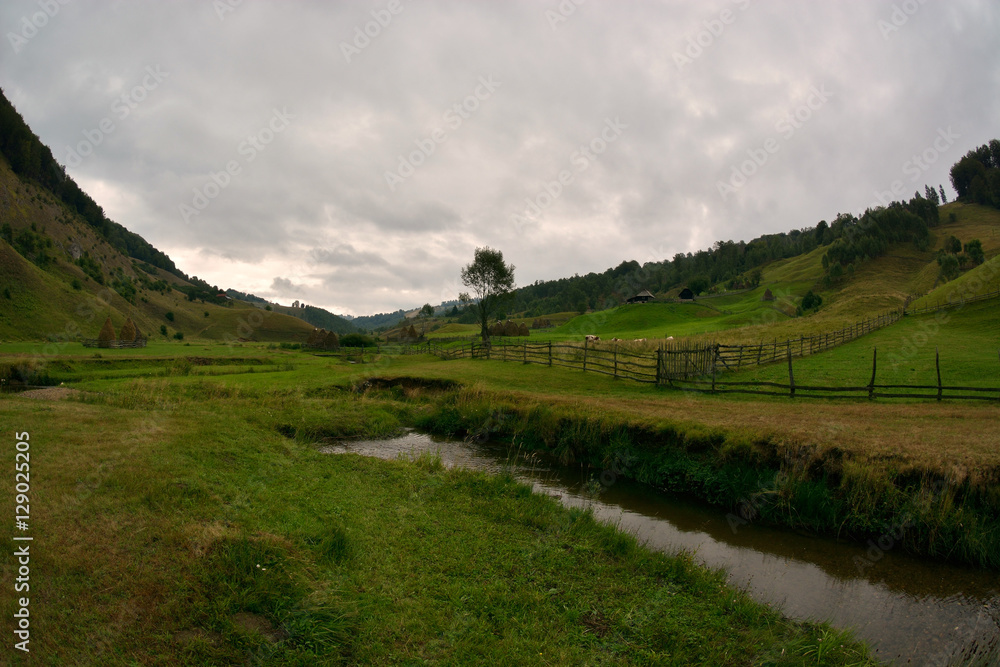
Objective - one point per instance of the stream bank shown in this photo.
(754, 478)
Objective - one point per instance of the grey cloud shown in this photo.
(315, 198)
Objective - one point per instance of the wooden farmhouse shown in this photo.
(642, 297)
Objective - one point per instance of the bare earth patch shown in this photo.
(50, 393)
(258, 624)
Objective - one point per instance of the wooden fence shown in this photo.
(872, 390)
(615, 361)
(114, 344)
(679, 362)
(698, 370)
(952, 304)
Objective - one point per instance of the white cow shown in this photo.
(592, 339)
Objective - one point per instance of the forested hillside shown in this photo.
(736, 265)
(32, 161)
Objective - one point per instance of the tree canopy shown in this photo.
(976, 177)
(491, 281)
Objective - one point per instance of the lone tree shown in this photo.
(491, 282)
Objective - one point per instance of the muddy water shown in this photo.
(909, 610)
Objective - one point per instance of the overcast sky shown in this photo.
(354, 155)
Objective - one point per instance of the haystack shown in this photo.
(316, 338)
(107, 336)
(128, 332)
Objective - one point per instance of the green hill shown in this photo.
(319, 318)
(61, 277)
(875, 286)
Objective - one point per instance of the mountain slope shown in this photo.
(61, 277)
(874, 287)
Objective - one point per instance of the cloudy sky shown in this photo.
(354, 154)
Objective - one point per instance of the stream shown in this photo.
(909, 610)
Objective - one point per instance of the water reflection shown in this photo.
(910, 610)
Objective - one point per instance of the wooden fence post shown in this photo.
(871, 383)
(659, 364)
(550, 353)
(937, 363)
(791, 377)
(615, 357)
(715, 356)
(585, 342)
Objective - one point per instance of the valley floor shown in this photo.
(182, 514)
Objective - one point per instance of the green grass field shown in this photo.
(967, 339)
(186, 517)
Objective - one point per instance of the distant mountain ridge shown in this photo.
(314, 315)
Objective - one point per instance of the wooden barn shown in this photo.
(642, 297)
(686, 294)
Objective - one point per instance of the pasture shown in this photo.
(183, 515)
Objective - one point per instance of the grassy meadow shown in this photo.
(967, 340)
(182, 514)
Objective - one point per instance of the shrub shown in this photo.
(163, 329)
(357, 340)
(179, 335)
(809, 302)
(170, 316)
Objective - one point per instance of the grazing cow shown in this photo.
(616, 340)
(670, 337)
(591, 338)
(639, 340)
